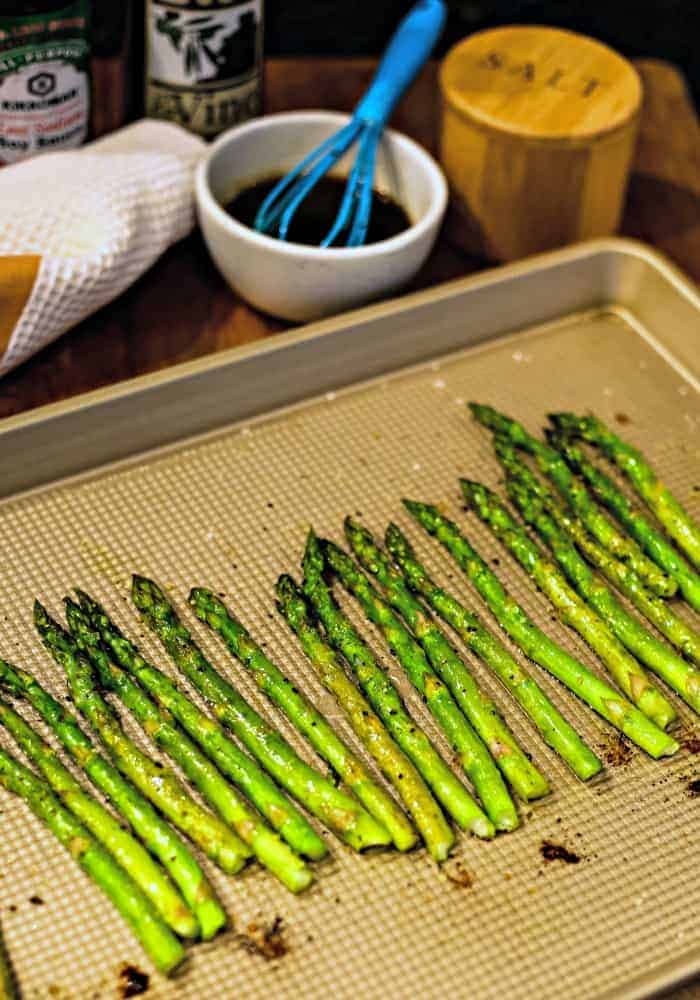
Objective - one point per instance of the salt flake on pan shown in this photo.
(416, 466)
(439, 383)
(520, 357)
(246, 431)
(458, 401)
(330, 396)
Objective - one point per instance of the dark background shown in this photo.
(667, 29)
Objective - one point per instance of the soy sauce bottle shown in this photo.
(44, 76)
(204, 62)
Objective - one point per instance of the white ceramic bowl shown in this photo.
(300, 282)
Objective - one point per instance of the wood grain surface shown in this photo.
(536, 156)
(182, 309)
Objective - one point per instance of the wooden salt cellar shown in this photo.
(537, 137)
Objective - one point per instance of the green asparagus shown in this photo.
(657, 611)
(157, 723)
(381, 694)
(556, 731)
(299, 710)
(578, 497)
(478, 709)
(130, 854)
(282, 815)
(264, 742)
(682, 528)
(157, 940)
(463, 740)
(369, 728)
(538, 646)
(642, 530)
(7, 979)
(659, 657)
(573, 611)
(156, 782)
(332, 805)
(155, 833)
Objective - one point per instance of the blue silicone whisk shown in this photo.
(408, 50)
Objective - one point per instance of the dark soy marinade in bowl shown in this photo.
(314, 216)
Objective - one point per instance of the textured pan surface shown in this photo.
(231, 512)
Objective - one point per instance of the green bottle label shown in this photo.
(44, 81)
(204, 62)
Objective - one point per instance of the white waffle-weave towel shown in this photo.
(78, 227)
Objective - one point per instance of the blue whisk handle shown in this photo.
(412, 43)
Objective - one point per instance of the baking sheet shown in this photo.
(230, 511)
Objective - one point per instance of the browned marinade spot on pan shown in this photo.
(617, 750)
(622, 418)
(266, 939)
(132, 981)
(694, 788)
(556, 852)
(458, 874)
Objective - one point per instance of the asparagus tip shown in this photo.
(415, 506)
(476, 494)
(350, 524)
(312, 559)
(354, 528)
(87, 603)
(285, 586)
(483, 413)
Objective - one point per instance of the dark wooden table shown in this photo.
(182, 309)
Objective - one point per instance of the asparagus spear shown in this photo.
(659, 657)
(264, 742)
(158, 837)
(478, 709)
(573, 611)
(157, 940)
(381, 694)
(578, 497)
(538, 646)
(157, 723)
(282, 815)
(126, 850)
(684, 530)
(298, 709)
(642, 530)
(621, 576)
(7, 979)
(463, 740)
(156, 782)
(395, 766)
(357, 827)
(555, 730)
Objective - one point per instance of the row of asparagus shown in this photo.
(253, 785)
